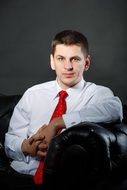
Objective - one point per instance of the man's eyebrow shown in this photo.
(59, 55)
(75, 56)
(71, 58)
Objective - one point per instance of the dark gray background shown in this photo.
(28, 26)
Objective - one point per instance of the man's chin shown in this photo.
(69, 83)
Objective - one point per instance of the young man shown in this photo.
(31, 131)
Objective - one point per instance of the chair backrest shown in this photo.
(125, 113)
(7, 104)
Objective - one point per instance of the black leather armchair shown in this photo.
(86, 156)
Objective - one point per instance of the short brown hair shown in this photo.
(70, 37)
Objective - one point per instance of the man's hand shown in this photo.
(37, 144)
(49, 131)
(58, 124)
(29, 148)
(45, 131)
(41, 140)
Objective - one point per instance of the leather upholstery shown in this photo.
(86, 153)
(7, 104)
(89, 154)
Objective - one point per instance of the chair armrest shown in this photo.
(89, 141)
(4, 160)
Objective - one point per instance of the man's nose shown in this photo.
(68, 65)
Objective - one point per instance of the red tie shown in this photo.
(59, 111)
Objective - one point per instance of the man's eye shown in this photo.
(60, 58)
(75, 59)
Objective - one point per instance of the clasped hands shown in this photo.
(37, 144)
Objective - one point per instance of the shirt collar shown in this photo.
(58, 89)
(75, 89)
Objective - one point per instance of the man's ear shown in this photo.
(87, 63)
(52, 62)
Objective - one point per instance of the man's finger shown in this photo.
(36, 138)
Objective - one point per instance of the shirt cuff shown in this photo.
(72, 119)
(20, 155)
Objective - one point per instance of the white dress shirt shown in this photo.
(86, 101)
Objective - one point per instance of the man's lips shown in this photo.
(68, 75)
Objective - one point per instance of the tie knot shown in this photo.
(63, 94)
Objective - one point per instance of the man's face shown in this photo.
(69, 62)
